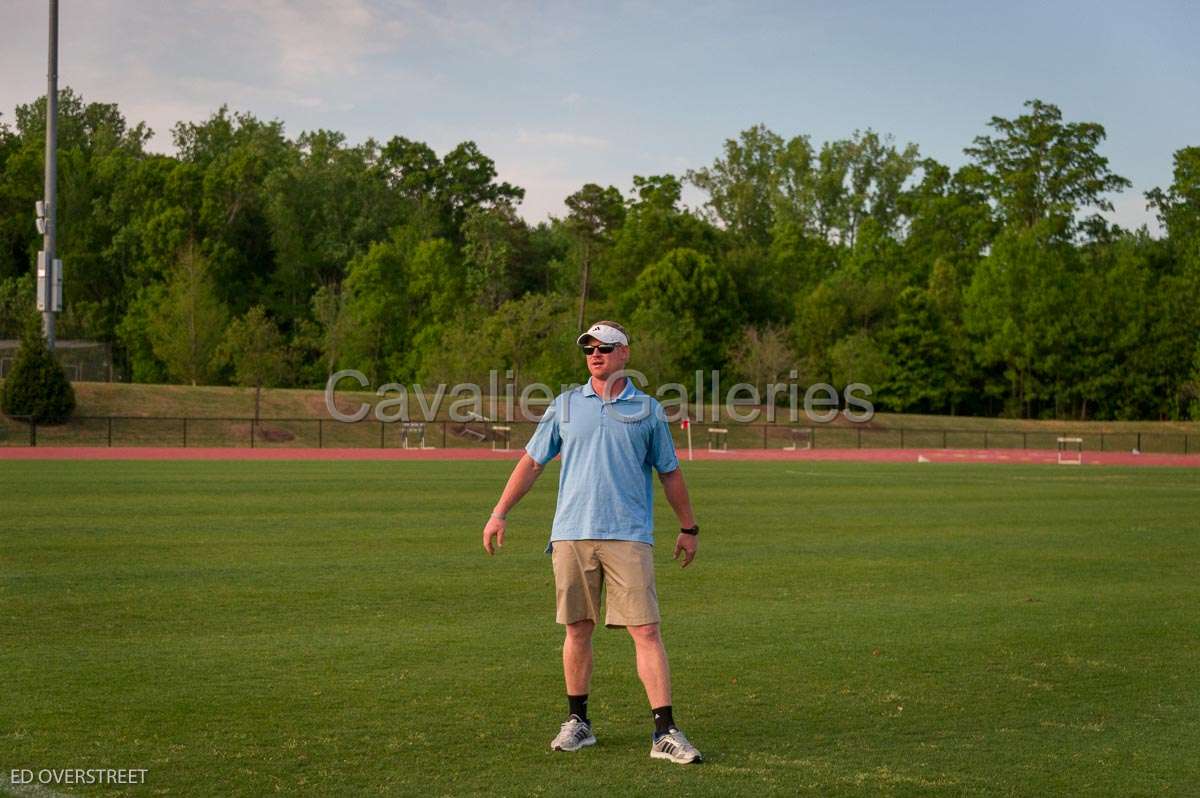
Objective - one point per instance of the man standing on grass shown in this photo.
(610, 435)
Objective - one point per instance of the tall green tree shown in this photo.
(437, 279)
(496, 252)
(99, 155)
(443, 192)
(258, 353)
(654, 224)
(187, 325)
(663, 345)
(376, 312)
(233, 154)
(18, 298)
(949, 219)
(688, 285)
(1017, 310)
(1178, 206)
(1041, 169)
(917, 349)
(135, 335)
(518, 332)
(821, 319)
(858, 357)
(743, 183)
(321, 339)
(595, 213)
(325, 208)
(17, 184)
(830, 193)
(468, 180)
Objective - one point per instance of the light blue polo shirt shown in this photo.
(608, 449)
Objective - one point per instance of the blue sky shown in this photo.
(562, 94)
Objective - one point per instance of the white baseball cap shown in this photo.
(606, 332)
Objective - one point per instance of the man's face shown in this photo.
(601, 365)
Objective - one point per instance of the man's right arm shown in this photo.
(519, 483)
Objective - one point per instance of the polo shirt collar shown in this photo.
(626, 393)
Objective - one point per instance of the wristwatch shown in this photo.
(694, 530)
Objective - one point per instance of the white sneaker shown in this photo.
(573, 735)
(675, 747)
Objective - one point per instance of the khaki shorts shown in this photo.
(624, 569)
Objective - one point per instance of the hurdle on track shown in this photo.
(413, 436)
(1070, 451)
(801, 439)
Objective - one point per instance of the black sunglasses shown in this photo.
(604, 349)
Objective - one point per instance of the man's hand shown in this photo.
(520, 481)
(677, 495)
(493, 531)
(688, 545)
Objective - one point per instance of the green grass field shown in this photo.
(319, 628)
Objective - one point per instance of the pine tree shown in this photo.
(37, 387)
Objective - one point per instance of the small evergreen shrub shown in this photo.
(37, 388)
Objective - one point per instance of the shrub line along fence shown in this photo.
(108, 431)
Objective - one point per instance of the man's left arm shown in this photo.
(681, 503)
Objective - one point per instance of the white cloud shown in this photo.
(302, 61)
(315, 40)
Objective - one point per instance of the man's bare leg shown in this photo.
(668, 742)
(576, 731)
(652, 665)
(577, 656)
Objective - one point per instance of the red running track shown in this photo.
(1039, 456)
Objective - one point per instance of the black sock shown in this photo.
(663, 722)
(578, 706)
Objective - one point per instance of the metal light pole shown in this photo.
(49, 268)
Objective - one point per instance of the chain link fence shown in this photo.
(301, 433)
